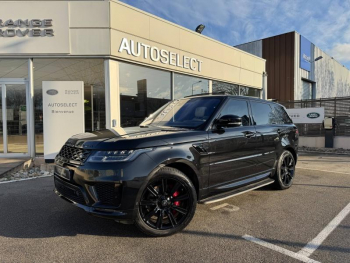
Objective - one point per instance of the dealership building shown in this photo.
(303, 77)
(299, 70)
(128, 62)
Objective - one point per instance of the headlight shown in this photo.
(116, 156)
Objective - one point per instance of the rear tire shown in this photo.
(167, 203)
(285, 171)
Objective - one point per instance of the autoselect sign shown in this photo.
(63, 109)
(156, 54)
(306, 115)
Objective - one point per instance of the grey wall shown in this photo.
(332, 79)
(254, 48)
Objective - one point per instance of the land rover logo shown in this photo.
(313, 115)
(52, 92)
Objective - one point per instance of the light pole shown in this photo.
(200, 28)
(195, 83)
(318, 58)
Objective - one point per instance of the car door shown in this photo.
(232, 150)
(267, 135)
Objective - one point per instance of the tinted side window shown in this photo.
(281, 115)
(262, 113)
(238, 108)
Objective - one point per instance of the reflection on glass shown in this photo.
(1, 131)
(187, 85)
(99, 108)
(94, 108)
(142, 92)
(185, 113)
(227, 88)
(16, 112)
(13, 68)
(251, 92)
(90, 71)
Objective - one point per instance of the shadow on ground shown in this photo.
(29, 211)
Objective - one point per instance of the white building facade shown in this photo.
(130, 62)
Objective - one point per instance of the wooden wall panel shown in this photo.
(279, 54)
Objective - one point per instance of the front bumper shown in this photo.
(76, 196)
(104, 190)
(102, 212)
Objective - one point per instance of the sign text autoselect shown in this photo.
(162, 55)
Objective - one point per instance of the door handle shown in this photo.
(249, 134)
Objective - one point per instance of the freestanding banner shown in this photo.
(306, 115)
(63, 112)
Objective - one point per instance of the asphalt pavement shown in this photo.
(37, 226)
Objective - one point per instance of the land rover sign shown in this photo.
(313, 115)
(306, 115)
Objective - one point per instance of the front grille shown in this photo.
(74, 154)
(108, 193)
(69, 191)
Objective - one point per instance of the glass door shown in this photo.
(14, 119)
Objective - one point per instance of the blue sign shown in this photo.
(305, 53)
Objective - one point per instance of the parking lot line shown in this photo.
(218, 206)
(317, 241)
(279, 249)
(305, 252)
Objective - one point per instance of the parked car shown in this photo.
(199, 149)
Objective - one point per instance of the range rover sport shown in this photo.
(198, 149)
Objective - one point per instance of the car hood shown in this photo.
(135, 138)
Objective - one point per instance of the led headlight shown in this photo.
(116, 156)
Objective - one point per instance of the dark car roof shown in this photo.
(231, 96)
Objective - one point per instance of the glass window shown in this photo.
(251, 92)
(187, 86)
(185, 113)
(262, 113)
(222, 87)
(281, 116)
(307, 91)
(16, 106)
(90, 71)
(238, 108)
(142, 91)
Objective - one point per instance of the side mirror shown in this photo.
(228, 121)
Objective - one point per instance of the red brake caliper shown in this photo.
(176, 203)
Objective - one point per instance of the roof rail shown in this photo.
(213, 93)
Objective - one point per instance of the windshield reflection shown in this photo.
(190, 113)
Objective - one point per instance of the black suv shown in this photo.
(197, 149)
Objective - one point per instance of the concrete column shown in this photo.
(112, 94)
(30, 109)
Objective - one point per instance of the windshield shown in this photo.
(188, 113)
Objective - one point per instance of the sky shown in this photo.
(326, 23)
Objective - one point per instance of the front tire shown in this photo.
(285, 171)
(167, 204)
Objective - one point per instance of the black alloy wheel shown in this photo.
(167, 204)
(285, 170)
